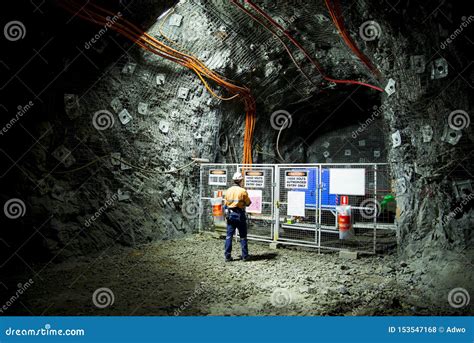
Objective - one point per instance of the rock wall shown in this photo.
(120, 123)
(430, 139)
(116, 124)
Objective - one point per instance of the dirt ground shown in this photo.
(189, 277)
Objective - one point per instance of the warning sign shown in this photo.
(254, 179)
(296, 179)
(218, 177)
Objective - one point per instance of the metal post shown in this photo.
(201, 209)
(276, 200)
(277, 179)
(316, 187)
(272, 211)
(319, 204)
(375, 204)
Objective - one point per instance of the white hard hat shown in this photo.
(237, 176)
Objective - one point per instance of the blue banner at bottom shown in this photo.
(237, 329)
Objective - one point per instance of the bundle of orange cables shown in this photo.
(98, 15)
(298, 45)
(335, 12)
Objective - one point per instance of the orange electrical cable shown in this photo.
(150, 39)
(149, 43)
(336, 16)
(297, 65)
(305, 53)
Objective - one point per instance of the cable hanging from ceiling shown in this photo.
(314, 62)
(334, 8)
(98, 15)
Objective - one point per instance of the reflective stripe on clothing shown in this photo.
(237, 196)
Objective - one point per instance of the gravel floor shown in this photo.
(189, 277)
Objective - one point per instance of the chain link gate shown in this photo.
(302, 229)
(260, 225)
(277, 187)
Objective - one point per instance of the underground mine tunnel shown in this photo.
(123, 124)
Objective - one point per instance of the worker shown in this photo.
(236, 199)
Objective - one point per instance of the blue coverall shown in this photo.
(236, 220)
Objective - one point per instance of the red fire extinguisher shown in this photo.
(344, 218)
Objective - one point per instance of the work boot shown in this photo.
(228, 259)
(246, 258)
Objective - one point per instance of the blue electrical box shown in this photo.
(326, 198)
(311, 193)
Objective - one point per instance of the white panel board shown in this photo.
(347, 181)
(296, 204)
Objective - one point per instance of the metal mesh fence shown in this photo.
(297, 204)
(301, 228)
(259, 182)
(363, 213)
(260, 220)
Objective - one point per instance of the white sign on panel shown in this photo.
(345, 181)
